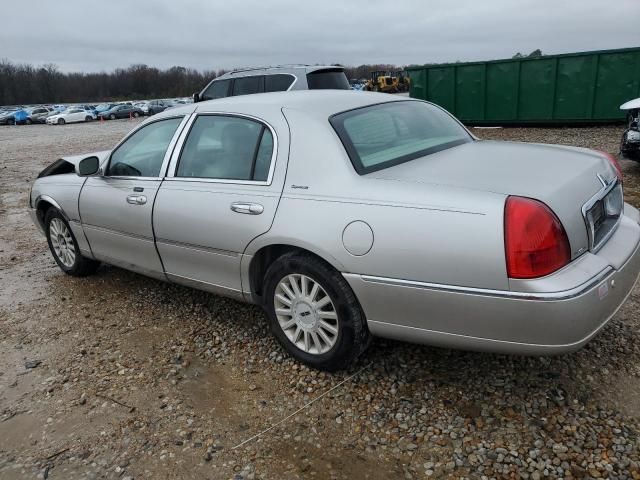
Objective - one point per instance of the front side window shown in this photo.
(279, 82)
(218, 89)
(142, 154)
(380, 136)
(248, 85)
(227, 148)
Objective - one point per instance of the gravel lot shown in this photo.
(121, 376)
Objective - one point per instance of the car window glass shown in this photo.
(141, 155)
(263, 157)
(218, 89)
(248, 85)
(229, 148)
(327, 79)
(384, 135)
(277, 83)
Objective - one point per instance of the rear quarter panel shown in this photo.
(422, 232)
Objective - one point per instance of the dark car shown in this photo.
(121, 111)
(157, 106)
(38, 115)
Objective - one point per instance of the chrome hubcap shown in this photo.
(306, 314)
(62, 242)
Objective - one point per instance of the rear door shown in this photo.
(222, 191)
(116, 207)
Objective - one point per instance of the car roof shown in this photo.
(291, 69)
(317, 103)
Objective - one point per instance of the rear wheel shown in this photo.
(11, 121)
(136, 114)
(112, 116)
(64, 247)
(88, 118)
(28, 121)
(314, 313)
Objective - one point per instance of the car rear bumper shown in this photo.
(556, 314)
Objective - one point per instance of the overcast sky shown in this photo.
(97, 35)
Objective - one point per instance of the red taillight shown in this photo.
(614, 162)
(534, 239)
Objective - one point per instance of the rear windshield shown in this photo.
(327, 79)
(388, 134)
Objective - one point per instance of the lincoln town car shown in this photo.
(349, 215)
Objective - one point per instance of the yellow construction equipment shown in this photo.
(381, 81)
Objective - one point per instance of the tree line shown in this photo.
(27, 84)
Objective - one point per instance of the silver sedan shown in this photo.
(347, 215)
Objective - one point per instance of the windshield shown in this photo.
(388, 134)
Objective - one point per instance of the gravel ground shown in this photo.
(121, 376)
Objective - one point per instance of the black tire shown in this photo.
(353, 334)
(61, 121)
(11, 121)
(151, 112)
(112, 116)
(82, 266)
(88, 118)
(28, 121)
(136, 114)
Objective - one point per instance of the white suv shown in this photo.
(274, 79)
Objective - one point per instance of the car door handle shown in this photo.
(248, 208)
(136, 199)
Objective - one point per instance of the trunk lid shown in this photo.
(564, 178)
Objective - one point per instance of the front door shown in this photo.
(116, 207)
(220, 193)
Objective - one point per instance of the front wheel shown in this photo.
(136, 114)
(88, 118)
(64, 247)
(28, 121)
(112, 116)
(314, 313)
(61, 121)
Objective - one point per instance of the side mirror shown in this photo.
(88, 166)
(196, 97)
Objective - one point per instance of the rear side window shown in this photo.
(278, 83)
(248, 85)
(218, 89)
(227, 148)
(387, 134)
(327, 79)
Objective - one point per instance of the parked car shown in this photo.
(121, 111)
(103, 107)
(14, 117)
(38, 115)
(144, 106)
(630, 143)
(274, 79)
(347, 215)
(157, 106)
(70, 115)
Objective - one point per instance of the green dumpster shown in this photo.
(573, 88)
